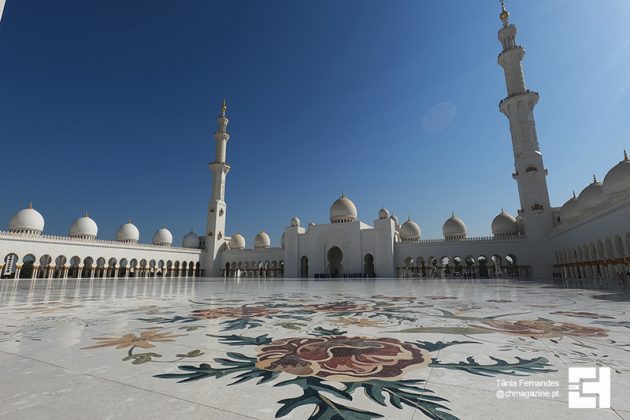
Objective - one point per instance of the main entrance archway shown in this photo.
(335, 268)
(304, 267)
(368, 266)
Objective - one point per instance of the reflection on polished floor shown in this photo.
(394, 349)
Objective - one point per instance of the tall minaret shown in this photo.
(215, 227)
(518, 107)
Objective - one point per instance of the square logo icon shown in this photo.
(589, 387)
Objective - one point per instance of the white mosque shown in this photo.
(588, 237)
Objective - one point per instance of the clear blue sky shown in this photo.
(110, 106)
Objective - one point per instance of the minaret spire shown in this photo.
(505, 15)
(530, 173)
(217, 207)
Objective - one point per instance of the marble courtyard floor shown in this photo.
(394, 349)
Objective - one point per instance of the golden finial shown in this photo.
(86, 214)
(594, 178)
(505, 15)
(574, 194)
(625, 154)
(129, 220)
(30, 204)
(223, 108)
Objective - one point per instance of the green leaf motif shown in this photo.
(189, 328)
(325, 409)
(239, 340)
(264, 375)
(396, 313)
(444, 330)
(521, 368)
(239, 363)
(404, 392)
(140, 358)
(319, 332)
(193, 353)
(317, 384)
(451, 315)
(291, 315)
(175, 319)
(292, 325)
(240, 323)
(439, 345)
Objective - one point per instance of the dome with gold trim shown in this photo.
(343, 210)
(128, 233)
(163, 237)
(454, 228)
(262, 241)
(84, 228)
(504, 224)
(410, 231)
(27, 220)
(237, 241)
(618, 178)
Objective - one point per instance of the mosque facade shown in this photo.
(587, 237)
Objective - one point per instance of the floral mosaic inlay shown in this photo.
(334, 355)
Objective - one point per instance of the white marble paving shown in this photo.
(353, 349)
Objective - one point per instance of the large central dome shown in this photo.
(343, 210)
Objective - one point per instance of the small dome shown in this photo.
(592, 195)
(569, 210)
(504, 225)
(128, 233)
(343, 210)
(383, 214)
(27, 220)
(191, 240)
(84, 228)
(618, 178)
(237, 241)
(394, 219)
(311, 224)
(410, 231)
(163, 237)
(262, 241)
(295, 222)
(454, 228)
